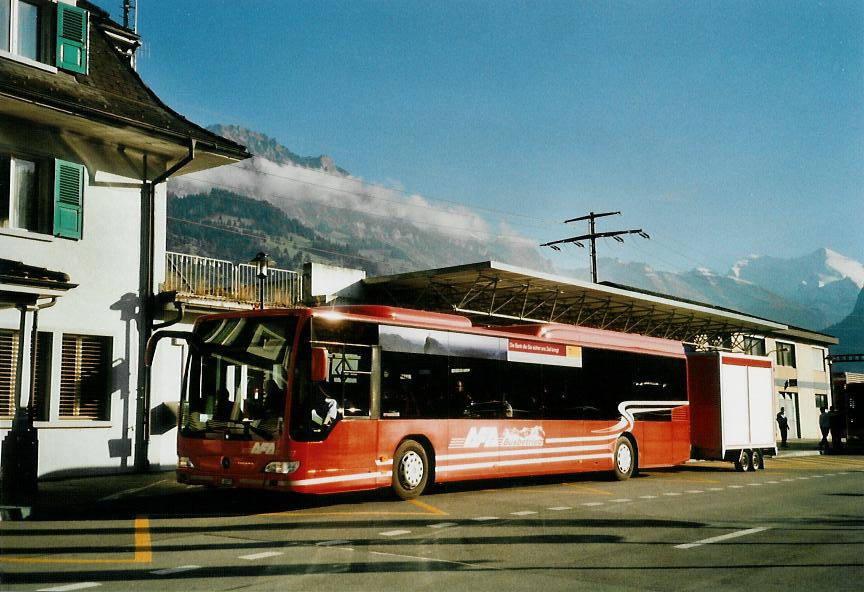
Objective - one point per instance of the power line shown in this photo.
(592, 236)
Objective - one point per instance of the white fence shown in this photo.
(217, 279)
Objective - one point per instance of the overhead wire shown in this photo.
(679, 251)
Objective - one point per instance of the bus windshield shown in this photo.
(237, 379)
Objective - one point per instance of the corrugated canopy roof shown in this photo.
(497, 293)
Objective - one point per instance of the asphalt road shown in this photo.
(799, 525)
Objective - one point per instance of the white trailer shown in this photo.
(731, 408)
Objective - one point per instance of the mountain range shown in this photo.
(307, 208)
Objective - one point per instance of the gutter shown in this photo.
(148, 303)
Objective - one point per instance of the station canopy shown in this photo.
(494, 293)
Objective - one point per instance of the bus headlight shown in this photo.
(184, 462)
(283, 467)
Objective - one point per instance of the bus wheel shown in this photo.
(743, 462)
(410, 470)
(757, 461)
(625, 459)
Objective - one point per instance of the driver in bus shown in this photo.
(324, 408)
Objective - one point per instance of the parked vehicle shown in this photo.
(359, 397)
(731, 408)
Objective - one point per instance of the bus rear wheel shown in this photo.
(624, 459)
(757, 460)
(410, 470)
(744, 462)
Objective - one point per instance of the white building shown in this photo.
(85, 148)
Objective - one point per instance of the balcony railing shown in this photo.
(216, 279)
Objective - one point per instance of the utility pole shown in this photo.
(593, 236)
(127, 8)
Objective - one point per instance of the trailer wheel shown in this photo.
(625, 459)
(757, 460)
(410, 470)
(744, 461)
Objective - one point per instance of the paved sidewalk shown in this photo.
(811, 447)
(103, 496)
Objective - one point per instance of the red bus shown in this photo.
(359, 397)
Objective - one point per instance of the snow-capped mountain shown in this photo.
(821, 309)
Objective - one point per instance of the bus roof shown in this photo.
(551, 332)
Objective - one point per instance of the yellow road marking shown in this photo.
(428, 507)
(586, 488)
(143, 551)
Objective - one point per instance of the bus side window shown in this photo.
(350, 375)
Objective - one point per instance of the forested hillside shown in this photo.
(225, 225)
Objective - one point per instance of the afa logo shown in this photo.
(485, 437)
(264, 448)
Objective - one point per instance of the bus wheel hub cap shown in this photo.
(624, 459)
(411, 469)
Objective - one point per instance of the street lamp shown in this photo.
(262, 265)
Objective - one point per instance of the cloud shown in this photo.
(291, 187)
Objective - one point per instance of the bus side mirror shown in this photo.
(320, 362)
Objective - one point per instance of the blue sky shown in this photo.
(721, 128)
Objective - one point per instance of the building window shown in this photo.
(9, 366)
(29, 200)
(21, 23)
(755, 346)
(819, 354)
(786, 354)
(821, 401)
(85, 377)
(26, 30)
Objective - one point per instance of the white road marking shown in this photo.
(722, 537)
(120, 494)
(773, 482)
(263, 555)
(736, 487)
(620, 500)
(484, 518)
(560, 508)
(755, 484)
(523, 513)
(390, 533)
(443, 525)
(647, 497)
(174, 570)
(78, 586)
(695, 491)
(429, 559)
(671, 493)
(716, 488)
(593, 504)
(331, 543)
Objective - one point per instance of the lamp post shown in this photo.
(262, 265)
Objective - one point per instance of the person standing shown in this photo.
(824, 427)
(836, 423)
(783, 424)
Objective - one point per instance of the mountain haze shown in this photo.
(309, 209)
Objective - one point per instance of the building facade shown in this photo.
(85, 150)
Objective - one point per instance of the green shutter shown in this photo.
(72, 38)
(68, 199)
